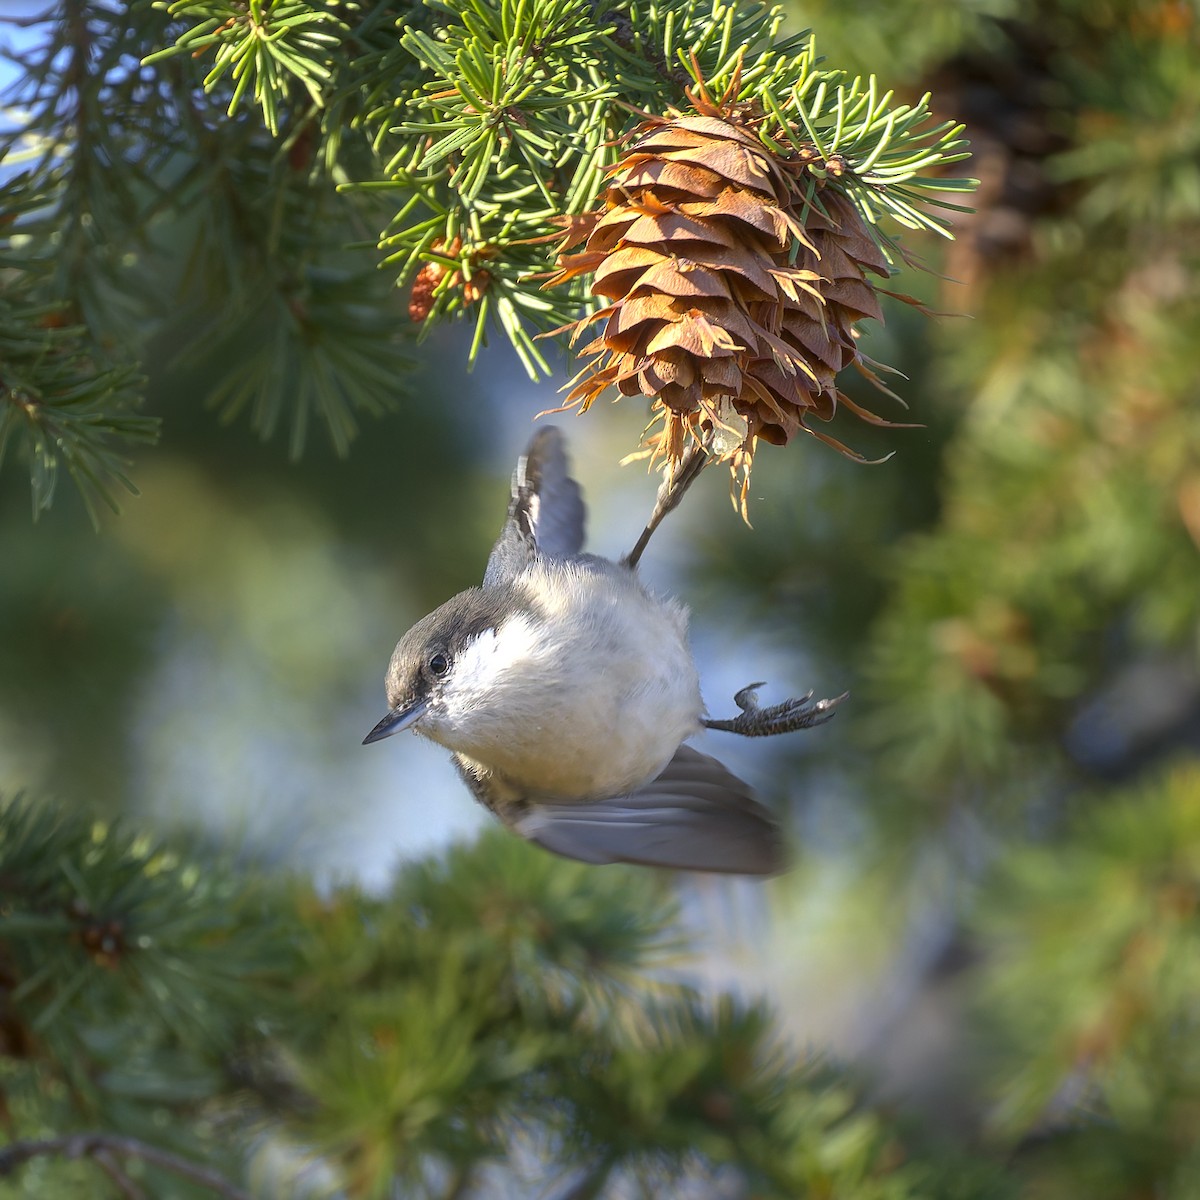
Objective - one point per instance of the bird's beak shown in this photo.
(401, 717)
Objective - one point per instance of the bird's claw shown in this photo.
(755, 721)
(747, 698)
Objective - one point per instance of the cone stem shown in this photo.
(694, 460)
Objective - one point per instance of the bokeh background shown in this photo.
(992, 920)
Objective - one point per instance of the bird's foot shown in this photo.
(754, 721)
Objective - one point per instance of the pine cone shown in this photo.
(712, 317)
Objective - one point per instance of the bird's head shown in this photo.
(438, 661)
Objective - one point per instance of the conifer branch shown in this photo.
(492, 124)
(458, 138)
(65, 403)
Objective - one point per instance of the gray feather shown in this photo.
(695, 816)
(546, 515)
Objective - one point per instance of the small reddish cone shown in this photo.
(429, 278)
(735, 277)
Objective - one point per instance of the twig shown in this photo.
(106, 1146)
(113, 1169)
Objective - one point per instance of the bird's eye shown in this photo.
(439, 664)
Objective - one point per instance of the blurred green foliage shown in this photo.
(995, 905)
(408, 1040)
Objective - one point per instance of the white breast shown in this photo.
(586, 695)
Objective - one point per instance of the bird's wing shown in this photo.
(696, 816)
(546, 514)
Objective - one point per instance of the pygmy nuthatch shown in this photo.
(565, 691)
